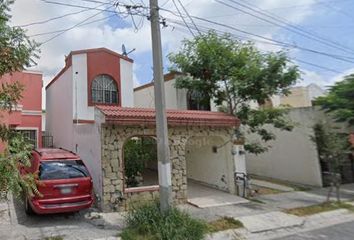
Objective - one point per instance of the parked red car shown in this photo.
(63, 181)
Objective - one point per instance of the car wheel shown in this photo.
(28, 208)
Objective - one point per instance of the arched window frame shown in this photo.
(104, 90)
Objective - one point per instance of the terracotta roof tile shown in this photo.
(146, 116)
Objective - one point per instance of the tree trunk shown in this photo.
(329, 192)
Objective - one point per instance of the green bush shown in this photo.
(148, 223)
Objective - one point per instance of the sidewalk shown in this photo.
(313, 222)
(261, 220)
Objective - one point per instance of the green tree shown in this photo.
(333, 151)
(233, 74)
(339, 102)
(16, 52)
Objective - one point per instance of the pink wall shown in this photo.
(30, 116)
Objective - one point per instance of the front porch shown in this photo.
(200, 149)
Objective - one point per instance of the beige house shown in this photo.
(302, 96)
(293, 156)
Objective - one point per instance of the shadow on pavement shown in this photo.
(48, 220)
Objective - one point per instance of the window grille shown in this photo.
(104, 90)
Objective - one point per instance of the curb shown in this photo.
(12, 211)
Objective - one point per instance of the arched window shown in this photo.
(197, 101)
(104, 90)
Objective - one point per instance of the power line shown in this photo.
(276, 17)
(316, 65)
(338, 57)
(189, 16)
(78, 6)
(67, 29)
(52, 19)
(180, 14)
(240, 38)
(70, 28)
(286, 25)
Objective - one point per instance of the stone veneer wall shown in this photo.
(113, 138)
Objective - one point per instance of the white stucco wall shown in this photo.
(144, 98)
(175, 98)
(203, 165)
(315, 91)
(293, 156)
(59, 110)
(127, 84)
(80, 88)
(87, 144)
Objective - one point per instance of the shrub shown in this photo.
(148, 223)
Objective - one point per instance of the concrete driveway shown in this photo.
(203, 197)
(15, 224)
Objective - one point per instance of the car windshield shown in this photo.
(62, 169)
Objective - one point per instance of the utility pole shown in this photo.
(163, 151)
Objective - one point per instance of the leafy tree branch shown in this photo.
(234, 75)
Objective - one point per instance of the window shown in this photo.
(197, 101)
(30, 136)
(104, 90)
(64, 169)
(140, 162)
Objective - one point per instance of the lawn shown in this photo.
(318, 208)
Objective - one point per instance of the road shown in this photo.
(344, 231)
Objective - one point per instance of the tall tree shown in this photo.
(16, 52)
(234, 74)
(333, 151)
(339, 101)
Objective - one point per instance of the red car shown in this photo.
(63, 181)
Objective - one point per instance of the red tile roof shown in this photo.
(146, 116)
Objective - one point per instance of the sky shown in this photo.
(319, 34)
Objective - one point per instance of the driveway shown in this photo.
(73, 226)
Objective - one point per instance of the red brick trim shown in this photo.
(92, 50)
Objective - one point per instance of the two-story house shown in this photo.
(26, 117)
(91, 110)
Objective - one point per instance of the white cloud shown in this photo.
(341, 76)
(101, 34)
(309, 77)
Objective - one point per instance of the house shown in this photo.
(302, 96)
(90, 110)
(26, 117)
(292, 157)
(181, 98)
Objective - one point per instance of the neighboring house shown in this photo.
(26, 117)
(302, 96)
(292, 157)
(90, 110)
(175, 98)
(181, 98)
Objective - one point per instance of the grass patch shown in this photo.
(296, 187)
(146, 222)
(265, 191)
(224, 223)
(54, 238)
(322, 207)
